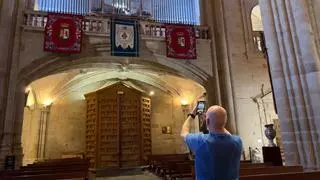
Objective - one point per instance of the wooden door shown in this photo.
(130, 142)
(118, 127)
(108, 153)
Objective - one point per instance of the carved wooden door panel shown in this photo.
(130, 143)
(146, 147)
(108, 131)
(91, 128)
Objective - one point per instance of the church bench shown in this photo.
(50, 176)
(55, 161)
(53, 165)
(270, 170)
(64, 169)
(284, 176)
(156, 161)
(177, 169)
(185, 170)
(255, 165)
(19, 173)
(57, 164)
(165, 164)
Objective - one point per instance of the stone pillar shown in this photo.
(10, 21)
(17, 126)
(7, 22)
(213, 17)
(294, 65)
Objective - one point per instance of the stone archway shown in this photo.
(52, 65)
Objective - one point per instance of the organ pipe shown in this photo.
(44, 5)
(81, 7)
(188, 19)
(75, 6)
(165, 14)
(165, 11)
(179, 11)
(193, 12)
(191, 17)
(169, 11)
(152, 8)
(86, 6)
(59, 6)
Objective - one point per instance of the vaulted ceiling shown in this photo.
(54, 87)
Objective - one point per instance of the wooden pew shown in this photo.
(63, 175)
(284, 176)
(180, 171)
(179, 166)
(157, 161)
(172, 166)
(56, 169)
(270, 170)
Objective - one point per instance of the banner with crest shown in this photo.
(63, 33)
(181, 41)
(125, 38)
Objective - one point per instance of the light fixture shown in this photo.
(47, 102)
(28, 89)
(184, 102)
(151, 93)
(259, 141)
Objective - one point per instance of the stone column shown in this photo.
(213, 17)
(10, 21)
(7, 24)
(294, 64)
(18, 122)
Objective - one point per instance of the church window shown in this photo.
(257, 28)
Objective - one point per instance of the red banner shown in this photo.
(181, 42)
(63, 33)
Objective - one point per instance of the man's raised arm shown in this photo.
(187, 124)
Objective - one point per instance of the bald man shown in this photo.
(217, 153)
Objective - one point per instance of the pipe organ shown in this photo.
(166, 11)
(63, 6)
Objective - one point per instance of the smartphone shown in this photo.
(201, 106)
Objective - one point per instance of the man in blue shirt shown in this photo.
(217, 153)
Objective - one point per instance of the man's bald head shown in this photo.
(216, 118)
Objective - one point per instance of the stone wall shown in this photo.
(249, 70)
(66, 127)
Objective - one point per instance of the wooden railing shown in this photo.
(101, 25)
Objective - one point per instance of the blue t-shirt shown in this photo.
(217, 155)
